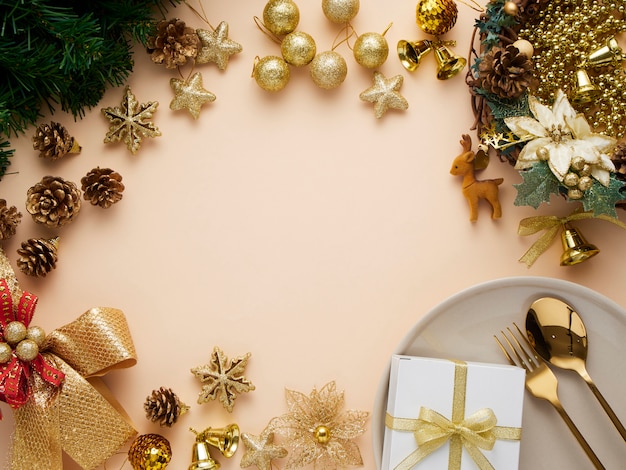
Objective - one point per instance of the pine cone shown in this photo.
(9, 220)
(102, 187)
(53, 201)
(505, 72)
(54, 141)
(173, 43)
(164, 406)
(38, 256)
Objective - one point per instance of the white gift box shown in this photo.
(419, 383)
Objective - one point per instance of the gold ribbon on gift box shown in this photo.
(432, 430)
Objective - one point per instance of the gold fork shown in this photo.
(542, 383)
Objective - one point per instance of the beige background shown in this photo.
(294, 226)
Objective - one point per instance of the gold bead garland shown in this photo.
(563, 34)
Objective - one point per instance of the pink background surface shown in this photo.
(294, 226)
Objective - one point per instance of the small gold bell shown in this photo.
(448, 64)
(610, 52)
(585, 91)
(225, 439)
(411, 53)
(575, 248)
(200, 456)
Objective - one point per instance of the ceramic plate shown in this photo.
(462, 328)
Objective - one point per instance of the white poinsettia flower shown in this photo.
(558, 135)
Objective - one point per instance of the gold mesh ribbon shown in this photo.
(551, 224)
(81, 418)
(432, 430)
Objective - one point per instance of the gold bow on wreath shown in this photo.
(80, 416)
(552, 224)
(432, 430)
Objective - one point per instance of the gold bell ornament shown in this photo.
(149, 452)
(448, 64)
(585, 91)
(225, 439)
(434, 17)
(411, 53)
(611, 52)
(575, 248)
(200, 456)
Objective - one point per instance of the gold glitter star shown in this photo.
(223, 377)
(261, 450)
(189, 94)
(128, 121)
(216, 47)
(384, 93)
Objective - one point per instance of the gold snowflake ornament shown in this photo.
(223, 377)
(129, 122)
(318, 432)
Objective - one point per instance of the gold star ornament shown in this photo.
(261, 450)
(129, 122)
(190, 95)
(223, 377)
(385, 94)
(216, 47)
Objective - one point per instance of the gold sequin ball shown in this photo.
(564, 34)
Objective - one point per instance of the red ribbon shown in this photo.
(14, 374)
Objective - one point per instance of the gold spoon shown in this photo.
(558, 335)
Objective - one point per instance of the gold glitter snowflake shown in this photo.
(317, 432)
(223, 377)
(129, 121)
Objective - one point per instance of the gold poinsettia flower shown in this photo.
(317, 432)
(559, 135)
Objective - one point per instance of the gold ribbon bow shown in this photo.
(81, 417)
(551, 224)
(432, 430)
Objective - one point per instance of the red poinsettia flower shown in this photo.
(19, 349)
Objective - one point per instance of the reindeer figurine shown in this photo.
(473, 189)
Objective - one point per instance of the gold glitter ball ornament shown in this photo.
(27, 350)
(14, 332)
(371, 50)
(510, 8)
(328, 70)
(150, 452)
(281, 16)
(6, 352)
(271, 73)
(436, 17)
(298, 48)
(340, 11)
